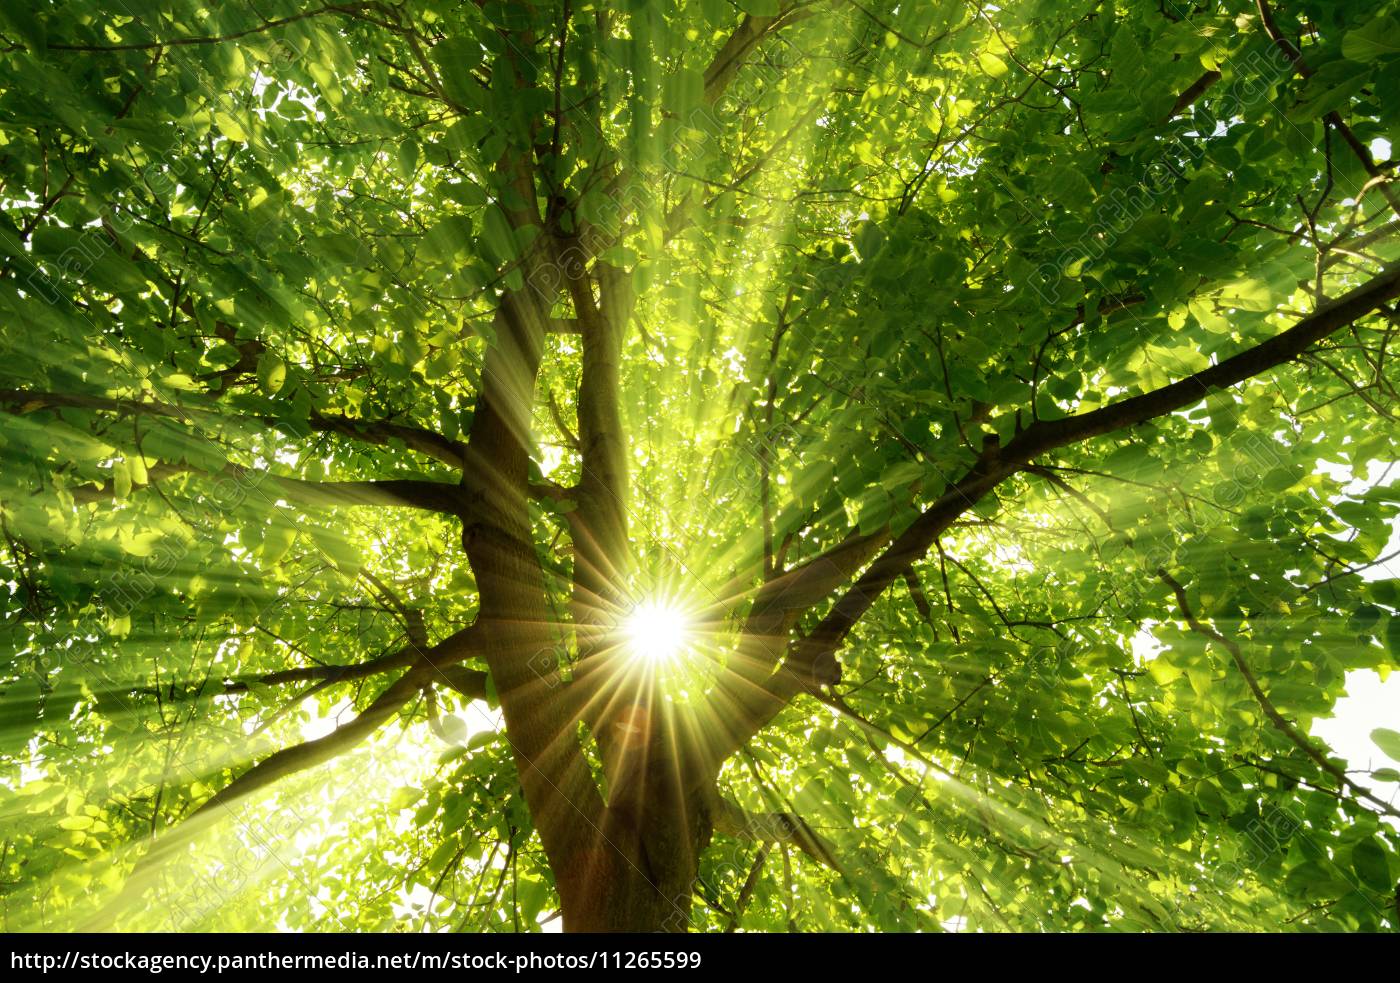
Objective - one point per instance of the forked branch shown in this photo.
(758, 704)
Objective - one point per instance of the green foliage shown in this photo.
(903, 232)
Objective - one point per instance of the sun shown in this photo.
(656, 632)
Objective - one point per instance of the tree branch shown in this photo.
(1280, 722)
(750, 883)
(470, 683)
(806, 666)
(427, 666)
(1333, 118)
(774, 827)
(328, 673)
(1197, 89)
(740, 43)
(418, 493)
(330, 8)
(379, 432)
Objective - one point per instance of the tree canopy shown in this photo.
(696, 464)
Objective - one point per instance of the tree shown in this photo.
(982, 384)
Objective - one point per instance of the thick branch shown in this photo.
(324, 673)
(1197, 89)
(300, 757)
(740, 44)
(418, 493)
(427, 666)
(287, 761)
(434, 496)
(514, 610)
(806, 667)
(599, 525)
(379, 432)
(774, 827)
(434, 445)
(470, 683)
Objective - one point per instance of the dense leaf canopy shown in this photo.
(982, 384)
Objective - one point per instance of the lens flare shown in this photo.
(656, 633)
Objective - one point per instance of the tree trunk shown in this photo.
(611, 891)
(637, 873)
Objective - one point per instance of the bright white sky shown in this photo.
(1369, 703)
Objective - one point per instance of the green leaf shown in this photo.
(1180, 809)
(1388, 741)
(498, 236)
(408, 158)
(899, 475)
(272, 373)
(230, 127)
(1380, 38)
(456, 58)
(1369, 861)
(992, 65)
(121, 480)
(685, 91)
(482, 738)
(277, 540)
(25, 22)
(343, 554)
(463, 193)
(404, 797)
